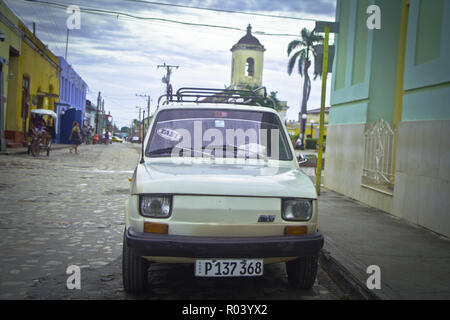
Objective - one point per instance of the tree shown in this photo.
(265, 102)
(301, 57)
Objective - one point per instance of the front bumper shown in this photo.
(147, 244)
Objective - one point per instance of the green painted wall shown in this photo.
(384, 63)
(341, 55)
(367, 60)
(431, 103)
(361, 37)
(371, 64)
(351, 71)
(427, 66)
(422, 68)
(429, 30)
(354, 113)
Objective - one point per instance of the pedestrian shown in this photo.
(75, 137)
(89, 135)
(83, 133)
(299, 144)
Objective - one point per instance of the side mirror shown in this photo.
(301, 159)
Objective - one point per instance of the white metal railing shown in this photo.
(379, 153)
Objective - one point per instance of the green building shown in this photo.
(388, 140)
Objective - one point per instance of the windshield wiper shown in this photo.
(169, 151)
(236, 148)
(203, 153)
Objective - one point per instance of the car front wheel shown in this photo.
(134, 270)
(302, 272)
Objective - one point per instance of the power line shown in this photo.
(52, 20)
(118, 14)
(40, 31)
(221, 10)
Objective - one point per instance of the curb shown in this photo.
(13, 151)
(348, 283)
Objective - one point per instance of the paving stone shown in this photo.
(67, 210)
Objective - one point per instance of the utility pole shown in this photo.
(166, 78)
(324, 27)
(96, 116)
(103, 116)
(148, 105)
(67, 44)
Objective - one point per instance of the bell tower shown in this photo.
(247, 61)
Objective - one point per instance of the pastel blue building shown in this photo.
(72, 95)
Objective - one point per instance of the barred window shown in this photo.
(378, 170)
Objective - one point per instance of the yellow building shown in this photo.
(33, 82)
(313, 123)
(10, 45)
(247, 61)
(293, 127)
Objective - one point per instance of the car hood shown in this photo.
(256, 180)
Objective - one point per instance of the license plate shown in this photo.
(229, 267)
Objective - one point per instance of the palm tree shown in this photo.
(305, 46)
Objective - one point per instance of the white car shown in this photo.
(135, 140)
(218, 185)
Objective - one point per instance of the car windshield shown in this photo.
(218, 133)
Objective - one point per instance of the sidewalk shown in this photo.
(414, 262)
(24, 150)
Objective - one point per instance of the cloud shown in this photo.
(119, 55)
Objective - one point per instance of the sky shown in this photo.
(118, 54)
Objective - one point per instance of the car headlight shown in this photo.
(297, 209)
(156, 207)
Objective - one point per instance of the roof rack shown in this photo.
(209, 95)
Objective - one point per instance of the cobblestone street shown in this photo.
(67, 209)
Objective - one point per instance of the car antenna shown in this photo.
(143, 138)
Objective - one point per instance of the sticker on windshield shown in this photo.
(169, 134)
(219, 124)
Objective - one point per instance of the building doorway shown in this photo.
(25, 104)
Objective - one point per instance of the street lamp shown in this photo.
(302, 127)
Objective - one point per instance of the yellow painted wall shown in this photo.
(240, 57)
(12, 40)
(41, 66)
(293, 128)
(316, 118)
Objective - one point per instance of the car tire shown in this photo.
(302, 272)
(134, 270)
